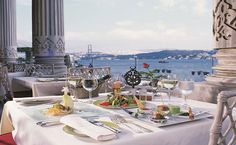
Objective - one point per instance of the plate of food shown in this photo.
(57, 110)
(116, 102)
(158, 117)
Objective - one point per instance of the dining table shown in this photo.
(21, 116)
(40, 86)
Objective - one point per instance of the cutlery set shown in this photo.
(117, 119)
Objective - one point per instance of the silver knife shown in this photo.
(98, 123)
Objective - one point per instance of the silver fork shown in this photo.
(47, 123)
(120, 120)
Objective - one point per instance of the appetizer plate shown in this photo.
(97, 103)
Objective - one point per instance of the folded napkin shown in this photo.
(93, 131)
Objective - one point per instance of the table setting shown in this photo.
(116, 124)
(121, 116)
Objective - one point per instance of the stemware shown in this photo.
(169, 84)
(186, 88)
(89, 82)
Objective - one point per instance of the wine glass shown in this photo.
(154, 86)
(169, 84)
(186, 88)
(89, 82)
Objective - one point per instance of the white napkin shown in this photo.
(95, 132)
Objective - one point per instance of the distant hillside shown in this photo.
(164, 54)
(167, 54)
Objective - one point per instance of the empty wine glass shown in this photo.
(169, 84)
(89, 82)
(186, 88)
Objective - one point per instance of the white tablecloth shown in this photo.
(28, 133)
(39, 88)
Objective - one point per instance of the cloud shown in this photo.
(123, 33)
(200, 7)
(124, 23)
(140, 4)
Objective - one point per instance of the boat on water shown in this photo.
(163, 61)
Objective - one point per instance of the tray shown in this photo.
(174, 120)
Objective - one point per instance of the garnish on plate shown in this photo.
(162, 108)
(183, 114)
(190, 113)
(113, 101)
(158, 117)
(59, 109)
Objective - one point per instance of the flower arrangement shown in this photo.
(150, 74)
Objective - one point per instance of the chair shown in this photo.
(6, 139)
(6, 94)
(224, 118)
(5, 88)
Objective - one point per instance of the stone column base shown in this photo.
(208, 91)
(57, 61)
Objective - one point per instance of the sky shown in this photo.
(128, 26)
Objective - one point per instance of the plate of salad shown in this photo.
(116, 102)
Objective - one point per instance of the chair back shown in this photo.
(224, 118)
(5, 88)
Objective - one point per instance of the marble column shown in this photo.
(224, 31)
(224, 38)
(8, 42)
(48, 33)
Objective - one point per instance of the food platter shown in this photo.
(176, 119)
(97, 103)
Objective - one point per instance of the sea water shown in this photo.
(182, 69)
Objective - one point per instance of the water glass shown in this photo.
(186, 88)
(89, 82)
(169, 84)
